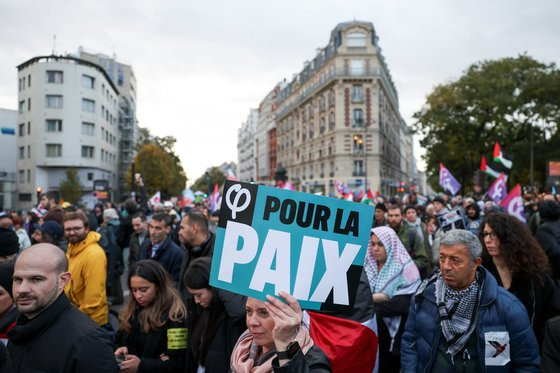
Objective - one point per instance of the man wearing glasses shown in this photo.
(87, 264)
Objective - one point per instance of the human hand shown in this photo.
(380, 297)
(130, 365)
(121, 351)
(163, 357)
(287, 319)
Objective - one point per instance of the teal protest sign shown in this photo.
(270, 239)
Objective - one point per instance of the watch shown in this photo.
(290, 352)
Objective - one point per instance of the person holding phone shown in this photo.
(152, 336)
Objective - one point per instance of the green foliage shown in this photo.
(160, 170)
(494, 101)
(70, 188)
(216, 177)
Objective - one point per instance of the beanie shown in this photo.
(381, 206)
(9, 242)
(6, 274)
(53, 229)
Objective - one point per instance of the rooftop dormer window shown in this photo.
(356, 40)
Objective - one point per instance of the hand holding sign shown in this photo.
(287, 319)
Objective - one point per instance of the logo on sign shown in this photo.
(234, 205)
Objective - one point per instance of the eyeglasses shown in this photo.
(492, 235)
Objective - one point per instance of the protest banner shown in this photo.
(454, 219)
(271, 239)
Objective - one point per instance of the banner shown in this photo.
(499, 157)
(498, 189)
(271, 239)
(513, 203)
(447, 181)
(454, 219)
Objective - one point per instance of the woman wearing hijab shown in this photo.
(393, 278)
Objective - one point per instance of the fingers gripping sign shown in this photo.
(287, 319)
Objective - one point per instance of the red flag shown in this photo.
(513, 204)
(349, 345)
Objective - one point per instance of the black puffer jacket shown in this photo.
(548, 234)
(60, 339)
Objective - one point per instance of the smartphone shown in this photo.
(120, 359)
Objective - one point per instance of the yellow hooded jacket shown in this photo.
(87, 263)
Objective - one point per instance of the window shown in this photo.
(88, 129)
(358, 118)
(358, 144)
(28, 151)
(358, 168)
(90, 176)
(21, 174)
(88, 81)
(331, 121)
(54, 76)
(29, 128)
(21, 106)
(54, 101)
(356, 39)
(21, 129)
(54, 150)
(53, 125)
(357, 93)
(21, 152)
(28, 104)
(88, 105)
(87, 151)
(24, 197)
(28, 176)
(357, 67)
(29, 80)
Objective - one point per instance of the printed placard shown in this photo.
(271, 239)
(454, 219)
(496, 348)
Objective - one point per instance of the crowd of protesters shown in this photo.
(479, 294)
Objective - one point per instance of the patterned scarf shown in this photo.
(399, 275)
(458, 311)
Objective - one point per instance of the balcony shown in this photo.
(358, 173)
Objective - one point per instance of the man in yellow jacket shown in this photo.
(87, 263)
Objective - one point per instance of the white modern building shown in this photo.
(8, 169)
(68, 116)
(246, 153)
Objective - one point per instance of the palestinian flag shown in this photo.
(368, 198)
(351, 346)
(499, 157)
(486, 169)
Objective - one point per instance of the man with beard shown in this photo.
(88, 267)
(51, 335)
(411, 240)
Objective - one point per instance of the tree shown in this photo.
(70, 188)
(160, 170)
(494, 101)
(216, 177)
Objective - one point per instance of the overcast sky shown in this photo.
(201, 65)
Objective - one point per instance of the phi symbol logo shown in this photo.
(234, 205)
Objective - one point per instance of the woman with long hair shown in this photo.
(393, 278)
(277, 340)
(520, 265)
(216, 320)
(152, 336)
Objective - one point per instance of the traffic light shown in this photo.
(39, 191)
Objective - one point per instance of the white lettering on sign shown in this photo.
(277, 250)
(230, 254)
(234, 205)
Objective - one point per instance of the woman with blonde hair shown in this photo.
(152, 336)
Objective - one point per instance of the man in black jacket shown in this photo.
(160, 247)
(51, 335)
(548, 233)
(198, 241)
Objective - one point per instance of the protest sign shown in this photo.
(454, 219)
(271, 239)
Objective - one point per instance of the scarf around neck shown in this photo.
(458, 311)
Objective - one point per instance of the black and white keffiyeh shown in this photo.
(458, 311)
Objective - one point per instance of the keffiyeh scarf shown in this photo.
(458, 311)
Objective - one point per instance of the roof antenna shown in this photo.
(54, 45)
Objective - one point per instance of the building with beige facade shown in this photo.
(338, 119)
(246, 158)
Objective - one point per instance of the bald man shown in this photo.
(50, 334)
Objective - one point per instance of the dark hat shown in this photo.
(9, 242)
(549, 210)
(438, 199)
(6, 274)
(53, 229)
(381, 206)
